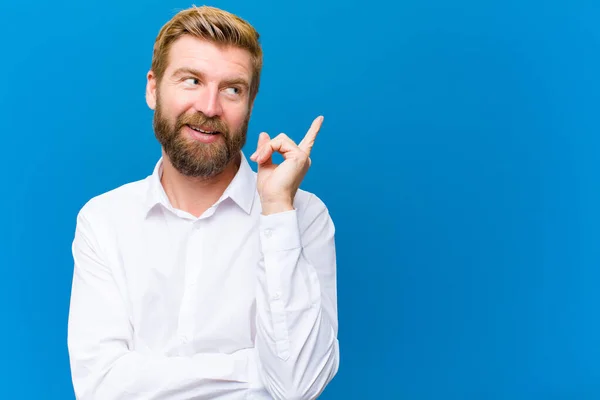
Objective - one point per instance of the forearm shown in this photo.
(298, 351)
(296, 334)
(134, 375)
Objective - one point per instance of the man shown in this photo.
(206, 280)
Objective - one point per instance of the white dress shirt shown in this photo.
(231, 305)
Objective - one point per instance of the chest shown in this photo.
(191, 285)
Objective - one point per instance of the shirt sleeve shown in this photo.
(297, 302)
(104, 364)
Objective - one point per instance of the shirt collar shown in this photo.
(241, 189)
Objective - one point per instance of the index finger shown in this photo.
(309, 139)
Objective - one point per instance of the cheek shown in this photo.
(174, 104)
(181, 105)
(235, 117)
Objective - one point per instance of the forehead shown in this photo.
(209, 58)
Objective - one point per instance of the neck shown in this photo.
(196, 194)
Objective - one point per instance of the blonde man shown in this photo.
(206, 280)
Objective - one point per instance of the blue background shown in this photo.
(459, 159)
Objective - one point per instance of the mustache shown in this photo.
(200, 119)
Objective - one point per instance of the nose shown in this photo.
(209, 102)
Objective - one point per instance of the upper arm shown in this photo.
(99, 331)
(318, 248)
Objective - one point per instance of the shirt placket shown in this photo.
(192, 261)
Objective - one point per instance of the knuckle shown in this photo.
(303, 158)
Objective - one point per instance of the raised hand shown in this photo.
(278, 183)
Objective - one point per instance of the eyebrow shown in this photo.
(195, 72)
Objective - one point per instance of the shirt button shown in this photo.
(268, 233)
(185, 340)
(276, 296)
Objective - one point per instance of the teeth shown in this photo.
(203, 131)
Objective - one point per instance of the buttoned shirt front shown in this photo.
(233, 304)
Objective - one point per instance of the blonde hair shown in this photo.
(212, 24)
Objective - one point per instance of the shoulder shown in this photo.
(115, 204)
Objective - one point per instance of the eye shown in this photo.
(191, 81)
(233, 91)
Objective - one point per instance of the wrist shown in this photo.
(273, 207)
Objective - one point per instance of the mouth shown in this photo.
(204, 131)
(202, 135)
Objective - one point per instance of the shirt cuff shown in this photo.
(280, 232)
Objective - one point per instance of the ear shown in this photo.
(151, 90)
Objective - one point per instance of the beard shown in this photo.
(193, 158)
